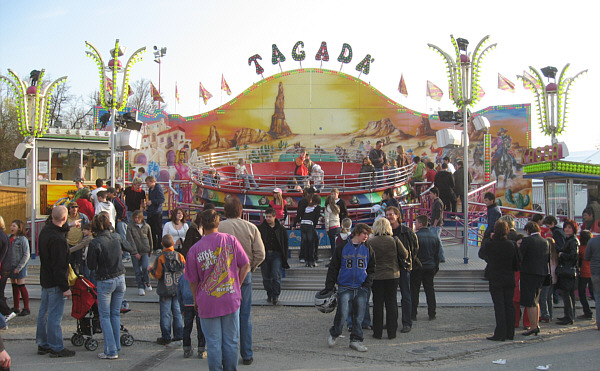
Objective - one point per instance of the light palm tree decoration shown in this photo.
(33, 110)
(463, 80)
(109, 94)
(108, 88)
(551, 99)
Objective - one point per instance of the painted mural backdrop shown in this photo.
(324, 110)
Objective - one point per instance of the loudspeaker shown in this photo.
(128, 140)
(22, 150)
(481, 123)
(449, 137)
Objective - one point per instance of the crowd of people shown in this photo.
(528, 270)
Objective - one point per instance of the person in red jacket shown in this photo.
(85, 204)
(585, 276)
(301, 171)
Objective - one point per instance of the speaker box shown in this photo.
(449, 137)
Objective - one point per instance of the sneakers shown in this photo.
(187, 352)
(148, 287)
(141, 292)
(585, 316)
(43, 351)
(201, 353)
(302, 261)
(106, 356)
(161, 341)
(248, 361)
(405, 329)
(175, 343)
(124, 260)
(333, 340)
(62, 354)
(276, 302)
(358, 346)
(10, 316)
(16, 310)
(26, 312)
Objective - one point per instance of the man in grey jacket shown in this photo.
(250, 238)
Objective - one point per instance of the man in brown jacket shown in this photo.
(249, 236)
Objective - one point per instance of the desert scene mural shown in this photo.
(335, 116)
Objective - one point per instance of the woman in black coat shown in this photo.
(535, 260)
(503, 260)
(567, 262)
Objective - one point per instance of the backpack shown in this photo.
(172, 272)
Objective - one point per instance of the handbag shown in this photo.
(566, 272)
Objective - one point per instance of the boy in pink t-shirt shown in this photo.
(216, 267)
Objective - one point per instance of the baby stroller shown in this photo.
(85, 311)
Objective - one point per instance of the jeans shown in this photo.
(596, 285)
(170, 310)
(222, 340)
(121, 229)
(365, 319)
(247, 179)
(2, 321)
(271, 273)
(568, 297)
(307, 235)
(350, 298)
(332, 233)
(384, 293)
(245, 325)
(49, 330)
(583, 283)
(546, 302)
(424, 275)
(438, 232)
(155, 223)
(110, 297)
(189, 314)
(504, 311)
(378, 176)
(140, 268)
(406, 300)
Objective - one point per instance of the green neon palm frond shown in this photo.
(45, 107)
(456, 49)
(476, 50)
(135, 57)
(563, 94)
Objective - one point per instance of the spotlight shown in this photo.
(549, 72)
(462, 44)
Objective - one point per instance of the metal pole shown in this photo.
(465, 71)
(552, 118)
(159, 91)
(113, 143)
(33, 195)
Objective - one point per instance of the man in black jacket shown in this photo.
(275, 239)
(444, 182)
(409, 239)
(493, 213)
(429, 256)
(54, 272)
(558, 234)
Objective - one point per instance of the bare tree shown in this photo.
(59, 104)
(141, 99)
(10, 135)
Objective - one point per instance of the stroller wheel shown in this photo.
(77, 340)
(91, 344)
(127, 340)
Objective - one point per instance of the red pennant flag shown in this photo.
(402, 87)
(224, 85)
(434, 92)
(481, 93)
(155, 94)
(505, 84)
(204, 94)
(176, 93)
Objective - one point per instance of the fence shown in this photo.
(12, 204)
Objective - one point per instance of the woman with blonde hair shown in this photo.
(389, 251)
(332, 220)
(279, 205)
(20, 258)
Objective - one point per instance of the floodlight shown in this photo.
(462, 44)
(549, 72)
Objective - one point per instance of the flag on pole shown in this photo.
(505, 84)
(204, 94)
(402, 86)
(434, 92)
(108, 86)
(129, 91)
(224, 85)
(176, 93)
(530, 78)
(155, 94)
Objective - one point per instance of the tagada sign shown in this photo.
(555, 152)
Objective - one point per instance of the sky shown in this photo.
(205, 39)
